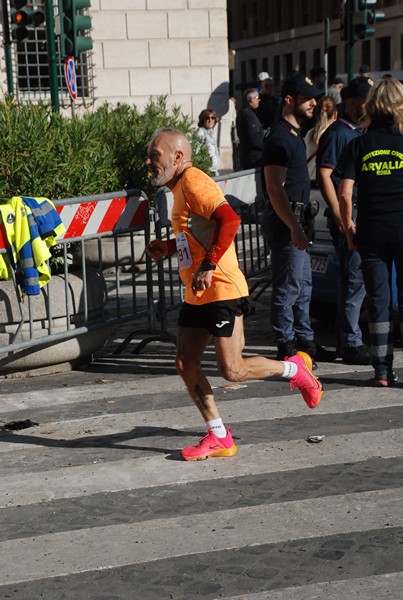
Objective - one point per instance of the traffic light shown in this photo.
(365, 17)
(345, 20)
(21, 17)
(73, 27)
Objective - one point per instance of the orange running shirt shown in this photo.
(196, 197)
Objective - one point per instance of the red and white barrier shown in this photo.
(106, 216)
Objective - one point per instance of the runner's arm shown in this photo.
(227, 223)
(157, 249)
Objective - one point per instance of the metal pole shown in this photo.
(52, 56)
(7, 49)
(326, 32)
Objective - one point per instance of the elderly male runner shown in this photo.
(215, 291)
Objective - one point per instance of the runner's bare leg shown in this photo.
(191, 343)
(235, 367)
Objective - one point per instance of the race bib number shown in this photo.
(183, 250)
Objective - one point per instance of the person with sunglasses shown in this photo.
(206, 123)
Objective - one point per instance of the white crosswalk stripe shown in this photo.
(382, 587)
(97, 504)
(143, 473)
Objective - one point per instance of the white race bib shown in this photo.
(183, 250)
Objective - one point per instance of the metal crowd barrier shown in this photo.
(109, 282)
(105, 239)
(165, 284)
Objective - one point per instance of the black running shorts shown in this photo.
(217, 317)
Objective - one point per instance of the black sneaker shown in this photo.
(357, 355)
(286, 349)
(316, 351)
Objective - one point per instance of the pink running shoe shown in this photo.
(309, 385)
(211, 445)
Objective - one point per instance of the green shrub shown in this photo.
(128, 132)
(45, 154)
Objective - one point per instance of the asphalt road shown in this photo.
(95, 502)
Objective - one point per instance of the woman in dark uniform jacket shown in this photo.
(375, 162)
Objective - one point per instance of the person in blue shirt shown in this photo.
(329, 162)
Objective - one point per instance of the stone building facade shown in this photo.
(282, 36)
(144, 48)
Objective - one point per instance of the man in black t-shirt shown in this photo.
(288, 187)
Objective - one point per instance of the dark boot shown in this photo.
(316, 351)
(357, 355)
(286, 349)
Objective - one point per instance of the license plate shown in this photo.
(318, 263)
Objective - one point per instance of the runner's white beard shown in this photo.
(163, 177)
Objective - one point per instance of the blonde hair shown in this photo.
(324, 113)
(385, 99)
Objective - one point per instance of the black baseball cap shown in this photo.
(359, 87)
(300, 85)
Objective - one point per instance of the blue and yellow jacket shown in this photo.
(30, 227)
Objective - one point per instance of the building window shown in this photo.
(288, 65)
(319, 11)
(244, 21)
(254, 19)
(276, 63)
(276, 17)
(302, 62)
(253, 71)
(267, 17)
(243, 75)
(383, 54)
(265, 64)
(30, 65)
(332, 63)
(32, 70)
(290, 14)
(317, 57)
